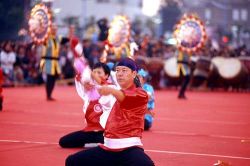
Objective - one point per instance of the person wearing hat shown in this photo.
(123, 126)
(148, 118)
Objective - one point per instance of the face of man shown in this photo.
(53, 29)
(125, 76)
(100, 73)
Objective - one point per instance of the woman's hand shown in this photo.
(78, 77)
(88, 86)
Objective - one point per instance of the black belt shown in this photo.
(50, 58)
(183, 62)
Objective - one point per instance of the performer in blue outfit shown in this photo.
(148, 118)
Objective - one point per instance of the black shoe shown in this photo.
(182, 97)
(51, 99)
(1, 103)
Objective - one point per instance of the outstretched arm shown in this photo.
(118, 94)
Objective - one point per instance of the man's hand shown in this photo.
(105, 90)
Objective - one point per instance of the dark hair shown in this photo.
(137, 82)
(103, 66)
(8, 43)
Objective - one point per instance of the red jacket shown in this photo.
(127, 118)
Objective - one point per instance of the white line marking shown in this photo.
(196, 134)
(147, 150)
(28, 142)
(203, 121)
(198, 154)
(13, 111)
(41, 124)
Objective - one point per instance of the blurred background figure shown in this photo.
(8, 58)
(104, 28)
(50, 62)
(184, 71)
(148, 118)
(1, 89)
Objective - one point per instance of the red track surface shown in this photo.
(207, 127)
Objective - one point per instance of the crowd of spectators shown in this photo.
(20, 61)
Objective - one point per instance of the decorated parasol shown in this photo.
(119, 31)
(190, 33)
(118, 38)
(40, 22)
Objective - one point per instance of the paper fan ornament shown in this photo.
(40, 22)
(119, 31)
(190, 33)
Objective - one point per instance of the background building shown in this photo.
(86, 11)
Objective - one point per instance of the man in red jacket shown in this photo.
(123, 127)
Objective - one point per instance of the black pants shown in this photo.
(1, 103)
(184, 86)
(80, 138)
(50, 84)
(133, 156)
